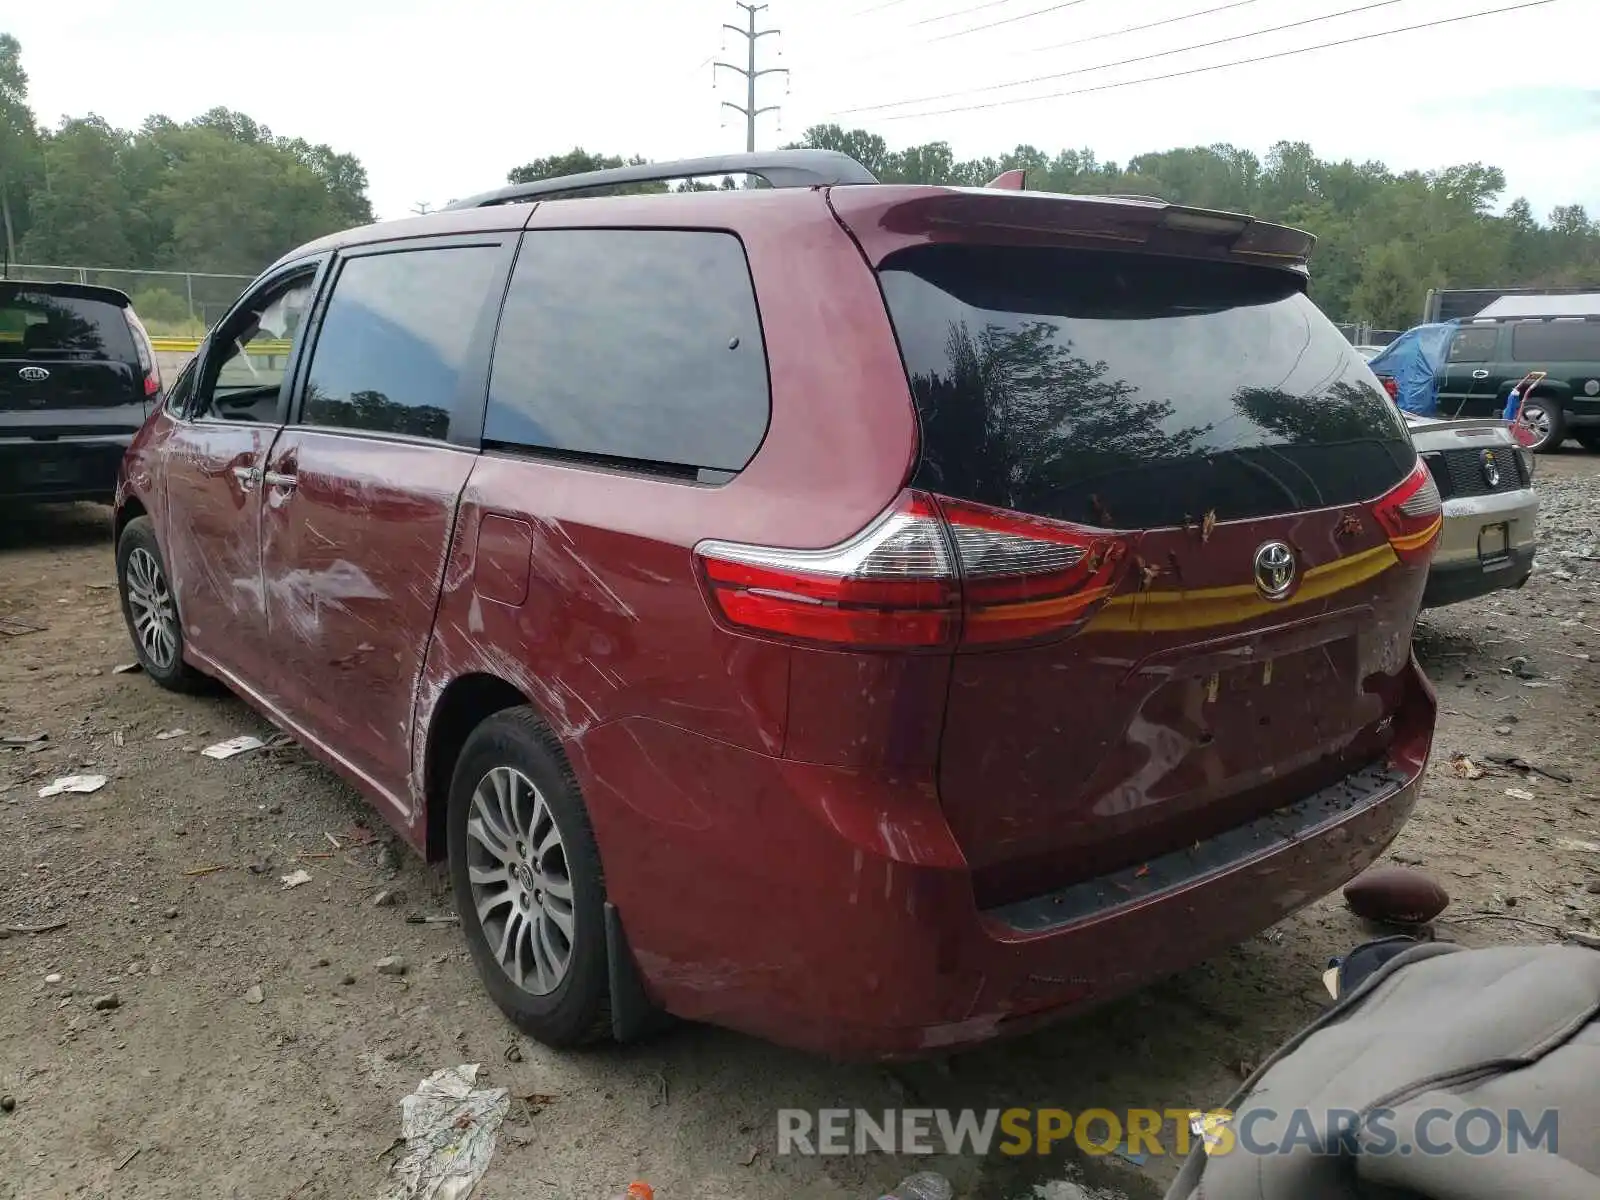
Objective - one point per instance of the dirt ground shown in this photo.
(166, 888)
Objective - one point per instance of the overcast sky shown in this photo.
(439, 98)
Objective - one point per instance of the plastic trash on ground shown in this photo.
(449, 1128)
(73, 783)
(233, 746)
(924, 1185)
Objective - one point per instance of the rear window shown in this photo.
(43, 324)
(1134, 392)
(1556, 341)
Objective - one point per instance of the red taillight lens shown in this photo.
(1412, 515)
(892, 585)
(1022, 577)
(1390, 386)
(146, 352)
(928, 573)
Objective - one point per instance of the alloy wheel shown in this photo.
(521, 886)
(1537, 418)
(155, 617)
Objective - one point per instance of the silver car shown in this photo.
(1486, 481)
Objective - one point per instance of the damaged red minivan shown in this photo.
(878, 618)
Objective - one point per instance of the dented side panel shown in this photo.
(353, 557)
(211, 526)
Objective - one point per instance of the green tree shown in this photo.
(19, 140)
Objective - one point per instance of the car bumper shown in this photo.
(833, 915)
(63, 469)
(1487, 544)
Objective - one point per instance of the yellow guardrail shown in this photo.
(262, 349)
(174, 345)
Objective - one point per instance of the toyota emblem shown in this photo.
(33, 374)
(1274, 570)
(1491, 469)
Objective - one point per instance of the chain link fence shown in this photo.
(175, 304)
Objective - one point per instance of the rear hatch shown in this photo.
(71, 363)
(1249, 522)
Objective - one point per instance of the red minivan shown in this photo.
(878, 618)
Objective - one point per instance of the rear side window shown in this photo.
(634, 345)
(1556, 341)
(389, 354)
(43, 324)
(1474, 345)
(1128, 391)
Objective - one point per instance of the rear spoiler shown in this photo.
(891, 217)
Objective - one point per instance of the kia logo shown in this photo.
(33, 374)
(1274, 570)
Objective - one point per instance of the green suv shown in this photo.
(1488, 358)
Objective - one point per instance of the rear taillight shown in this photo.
(146, 352)
(1412, 515)
(1390, 386)
(928, 573)
(1022, 577)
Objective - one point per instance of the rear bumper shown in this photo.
(1467, 562)
(838, 917)
(62, 469)
(1451, 583)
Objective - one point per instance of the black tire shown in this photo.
(577, 1010)
(1587, 436)
(138, 546)
(1550, 406)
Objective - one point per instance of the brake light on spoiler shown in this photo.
(1412, 515)
(928, 573)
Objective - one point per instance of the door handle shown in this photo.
(279, 479)
(1480, 374)
(248, 477)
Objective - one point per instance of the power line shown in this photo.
(1100, 37)
(1242, 62)
(1008, 20)
(1126, 62)
(961, 12)
(752, 36)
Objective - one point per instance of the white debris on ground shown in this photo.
(233, 746)
(79, 784)
(449, 1128)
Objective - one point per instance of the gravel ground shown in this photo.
(255, 1050)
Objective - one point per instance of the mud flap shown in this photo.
(633, 1016)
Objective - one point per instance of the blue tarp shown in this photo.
(1415, 360)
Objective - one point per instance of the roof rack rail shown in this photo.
(779, 168)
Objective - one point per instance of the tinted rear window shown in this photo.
(638, 345)
(42, 324)
(1134, 392)
(1556, 341)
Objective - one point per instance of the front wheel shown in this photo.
(527, 881)
(151, 609)
(1543, 416)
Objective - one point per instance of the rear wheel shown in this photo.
(1544, 417)
(527, 880)
(151, 609)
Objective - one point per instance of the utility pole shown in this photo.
(752, 35)
(422, 208)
